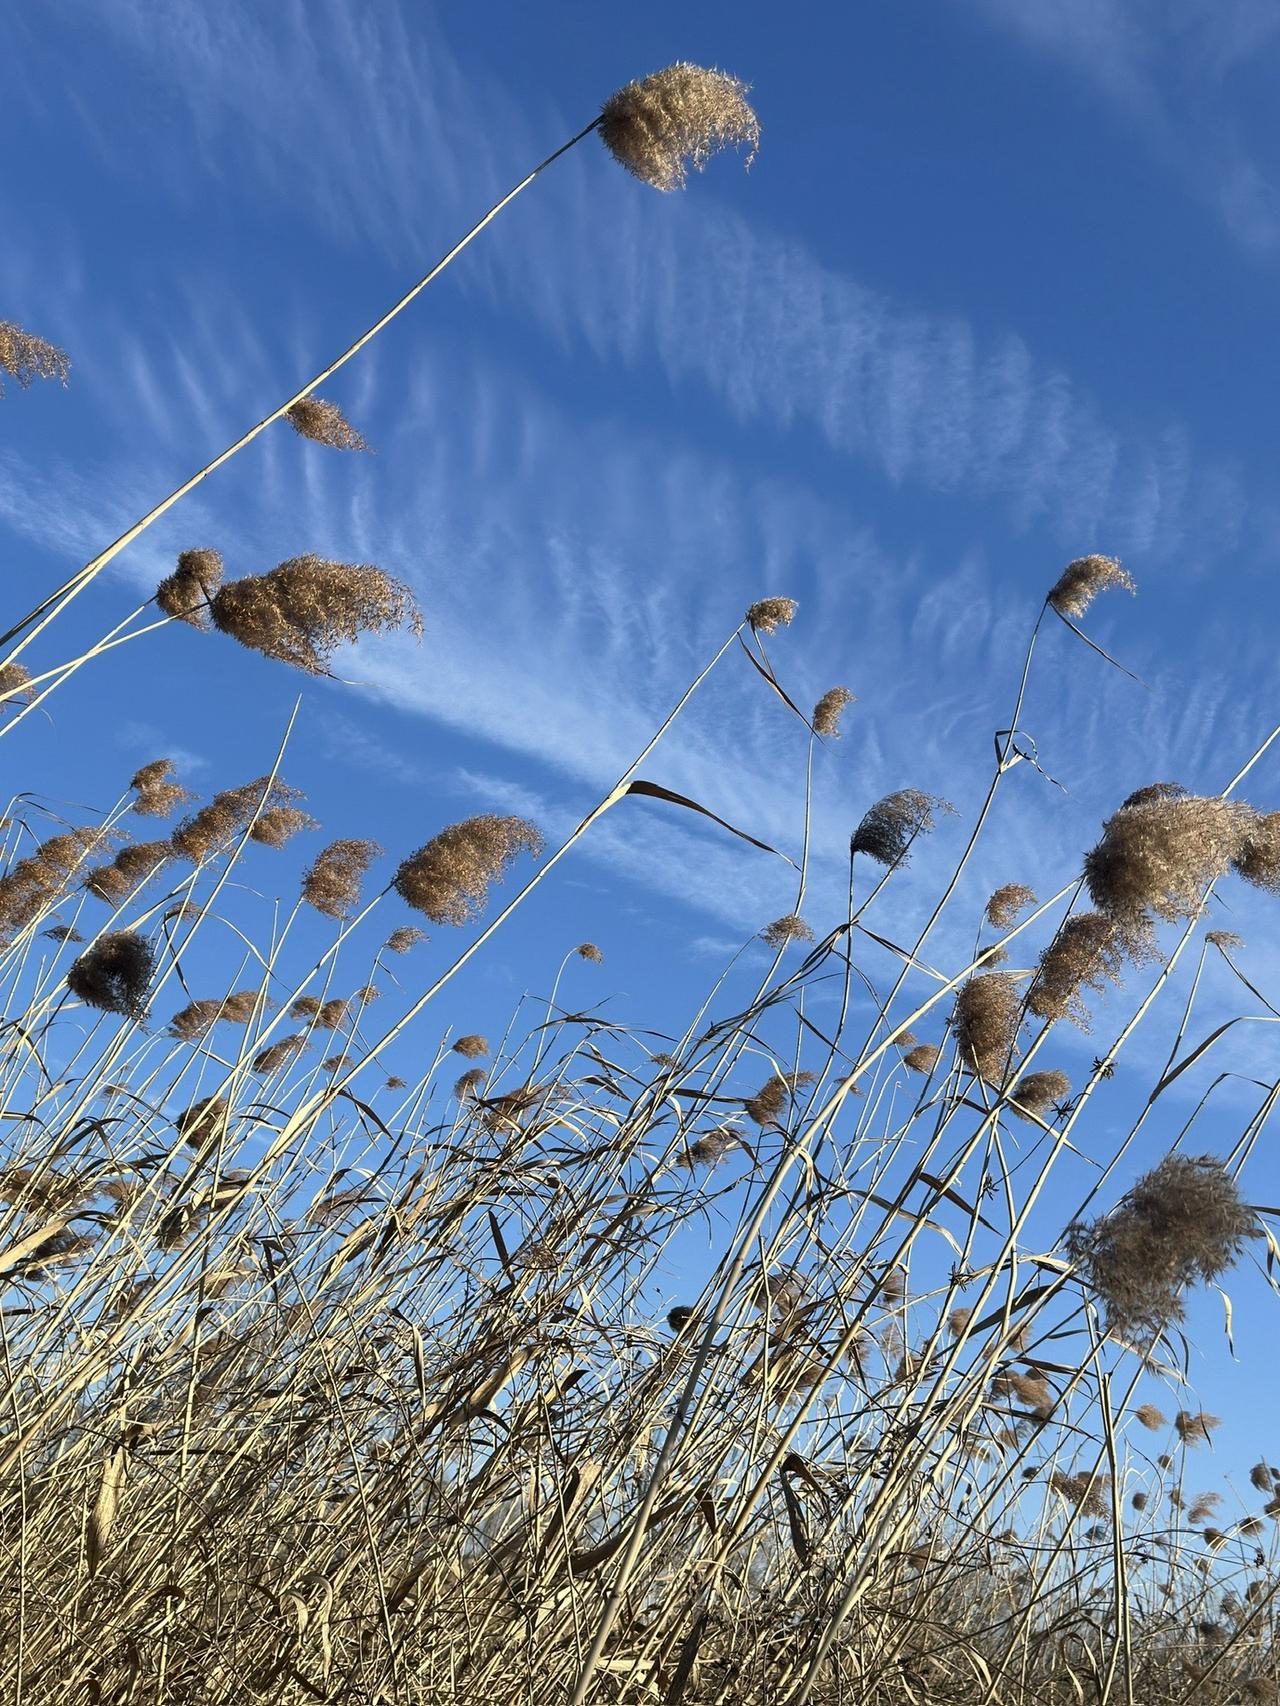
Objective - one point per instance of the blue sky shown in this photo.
(998, 291)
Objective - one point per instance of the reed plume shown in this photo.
(323, 423)
(188, 592)
(1006, 903)
(201, 1120)
(404, 938)
(829, 709)
(198, 1018)
(448, 878)
(1194, 1427)
(589, 952)
(132, 866)
(32, 885)
(1082, 580)
(26, 358)
(658, 126)
(1160, 852)
(767, 615)
(276, 1055)
(158, 794)
(922, 1058)
(1257, 859)
(985, 1023)
(784, 931)
(712, 1147)
(471, 1047)
(468, 1087)
(114, 974)
(887, 830)
(213, 827)
(332, 884)
(1088, 952)
(301, 611)
(16, 685)
(1039, 1092)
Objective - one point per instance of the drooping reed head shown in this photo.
(26, 358)
(324, 1015)
(1183, 1222)
(132, 866)
(227, 814)
(276, 825)
(16, 685)
(1257, 859)
(1039, 1092)
(1194, 1427)
(198, 1018)
(332, 885)
(1082, 580)
(711, 1148)
(404, 938)
(35, 882)
(1088, 952)
(301, 611)
(158, 793)
(783, 931)
(1007, 902)
(772, 1096)
(1160, 852)
(468, 1087)
(892, 824)
(188, 592)
(589, 952)
(323, 423)
(114, 973)
(449, 877)
(658, 126)
(201, 1120)
(278, 1054)
(922, 1058)
(1151, 1416)
(829, 709)
(767, 615)
(985, 1023)
(472, 1046)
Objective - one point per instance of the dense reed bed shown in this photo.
(328, 1377)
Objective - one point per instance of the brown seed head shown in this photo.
(201, 1120)
(1151, 1417)
(888, 829)
(1139, 1501)
(469, 1085)
(1087, 953)
(922, 1058)
(1157, 857)
(1263, 1477)
(985, 1023)
(1203, 1507)
(712, 1147)
(16, 685)
(63, 933)
(1257, 859)
(158, 794)
(1006, 903)
(227, 814)
(132, 866)
(1182, 1223)
(26, 358)
(332, 885)
(324, 423)
(114, 973)
(589, 952)
(188, 592)
(197, 1018)
(395, 1083)
(404, 938)
(1081, 581)
(1195, 1426)
(1038, 1092)
(660, 125)
(273, 1057)
(471, 1047)
(767, 615)
(34, 883)
(448, 878)
(275, 825)
(783, 931)
(303, 609)
(1091, 1494)
(829, 709)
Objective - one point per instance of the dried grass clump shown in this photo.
(1038, 1093)
(276, 1055)
(711, 1148)
(132, 866)
(1183, 1222)
(16, 684)
(158, 794)
(1087, 953)
(892, 824)
(63, 933)
(449, 877)
(767, 615)
(1151, 1416)
(771, 1098)
(589, 952)
(985, 1023)
(922, 1058)
(1194, 1426)
(468, 1087)
(332, 885)
(323, 423)
(471, 1047)
(198, 1018)
(301, 611)
(34, 883)
(404, 938)
(26, 358)
(188, 592)
(1257, 859)
(113, 974)
(1090, 1493)
(201, 1120)
(227, 814)
(1007, 902)
(830, 708)
(658, 126)
(783, 931)
(1082, 580)
(1158, 855)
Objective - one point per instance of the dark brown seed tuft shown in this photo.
(783, 931)
(985, 1023)
(201, 1120)
(888, 829)
(1182, 1223)
(589, 952)
(332, 885)
(829, 709)
(767, 615)
(26, 358)
(660, 125)
(301, 611)
(449, 877)
(63, 933)
(404, 938)
(1006, 903)
(1082, 580)
(1151, 1417)
(1257, 859)
(712, 1147)
(324, 423)
(271, 1058)
(114, 973)
(189, 591)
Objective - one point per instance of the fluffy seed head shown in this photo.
(471, 1047)
(211, 828)
(829, 709)
(201, 1120)
(448, 878)
(712, 1147)
(332, 885)
(783, 931)
(158, 794)
(132, 866)
(301, 611)
(1182, 1223)
(922, 1058)
(324, 423)
(63, 933)
(1039, 1092)
(468, 1086)
(198, 1018)
(188, 592)
(275, 825)
(985, 1022)
(1158, 855)
(15, 684)
(275, 1055)
(1151, 1417)
(1087, 953)
(888, 829)
(1007, 902)
(26, 358)
(1082, 580)
(34, 883)
(771, 1098)
(589, 952)
(660, 125)
(767, 615)
(1257, 859)
(114, 973)
(404, 938)
(1195, 1426)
